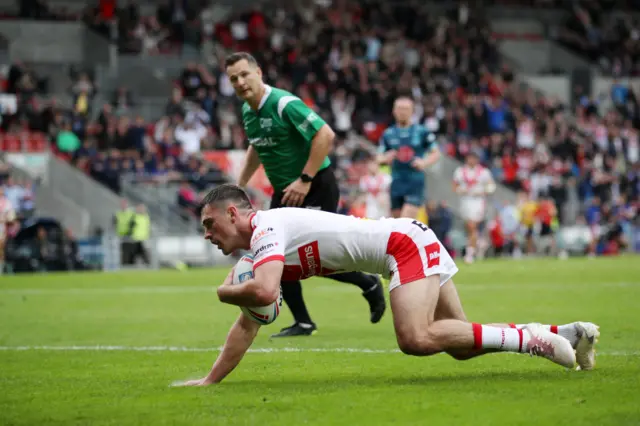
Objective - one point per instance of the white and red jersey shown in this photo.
(526, 134)
(7, 214)
(476, 181)
(601, 135)
(377, 188)
(633, 145)
(314, 242)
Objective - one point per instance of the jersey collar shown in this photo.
(267, 92)
(251, 221)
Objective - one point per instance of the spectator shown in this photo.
(67, 141)
(190, 134)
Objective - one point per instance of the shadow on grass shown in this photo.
(423, 379)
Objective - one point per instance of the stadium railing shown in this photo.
(99, 201)
(51, 203)
(161, 202)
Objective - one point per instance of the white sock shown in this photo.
(504, 339)
(568, 331)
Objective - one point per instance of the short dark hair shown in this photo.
(238, 56)
(227, 193)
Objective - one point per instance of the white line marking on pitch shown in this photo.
(106, 348)
(311, 287)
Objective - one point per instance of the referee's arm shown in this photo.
(251, 164)
(321, 146)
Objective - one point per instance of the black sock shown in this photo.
(364, 281)
(292, 295)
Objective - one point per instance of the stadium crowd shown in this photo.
(607, 39)
(349, 63)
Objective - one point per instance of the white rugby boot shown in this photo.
(585, 348)
(551, 346)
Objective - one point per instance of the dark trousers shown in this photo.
(131, 250)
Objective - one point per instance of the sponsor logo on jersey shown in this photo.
(309, 256)
(262, 142)
(266, 123)
(433, 254)
(310, 119)
(264, 248)
(310, 259)
(257, 236)
(405, 154)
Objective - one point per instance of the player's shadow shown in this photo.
(426, 378)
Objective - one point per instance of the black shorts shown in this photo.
(324, 193)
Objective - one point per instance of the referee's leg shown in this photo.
(324, 194)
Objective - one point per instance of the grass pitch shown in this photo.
(102, 349)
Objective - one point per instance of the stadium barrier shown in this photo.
(163, 251)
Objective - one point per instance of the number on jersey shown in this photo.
(420, 225)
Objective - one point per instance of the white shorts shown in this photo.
(414, 252)
(472, 209)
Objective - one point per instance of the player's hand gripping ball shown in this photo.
(264, 315)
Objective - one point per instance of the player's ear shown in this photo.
(232, 213)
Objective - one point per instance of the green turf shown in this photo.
(142, 309)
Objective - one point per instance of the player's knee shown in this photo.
(417, 344)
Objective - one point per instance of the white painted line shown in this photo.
(123, 290)
(109, 348)
(311, 287)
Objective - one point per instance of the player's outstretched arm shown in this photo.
(239, 339)
(251, 164)
(262, 290)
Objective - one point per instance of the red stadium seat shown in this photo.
(37, 142)
(11, 143)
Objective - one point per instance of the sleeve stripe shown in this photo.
(284, 101)
(269, 259)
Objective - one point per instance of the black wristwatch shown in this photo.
(306, 178)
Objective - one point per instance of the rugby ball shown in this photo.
(264, 315)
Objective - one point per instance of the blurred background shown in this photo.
(116, 117)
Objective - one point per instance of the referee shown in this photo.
(292, 143)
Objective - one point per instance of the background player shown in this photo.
(410, 149)
(473, 183)
(292, 143)
(7, 216)
(427, 313)
(375, 184)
